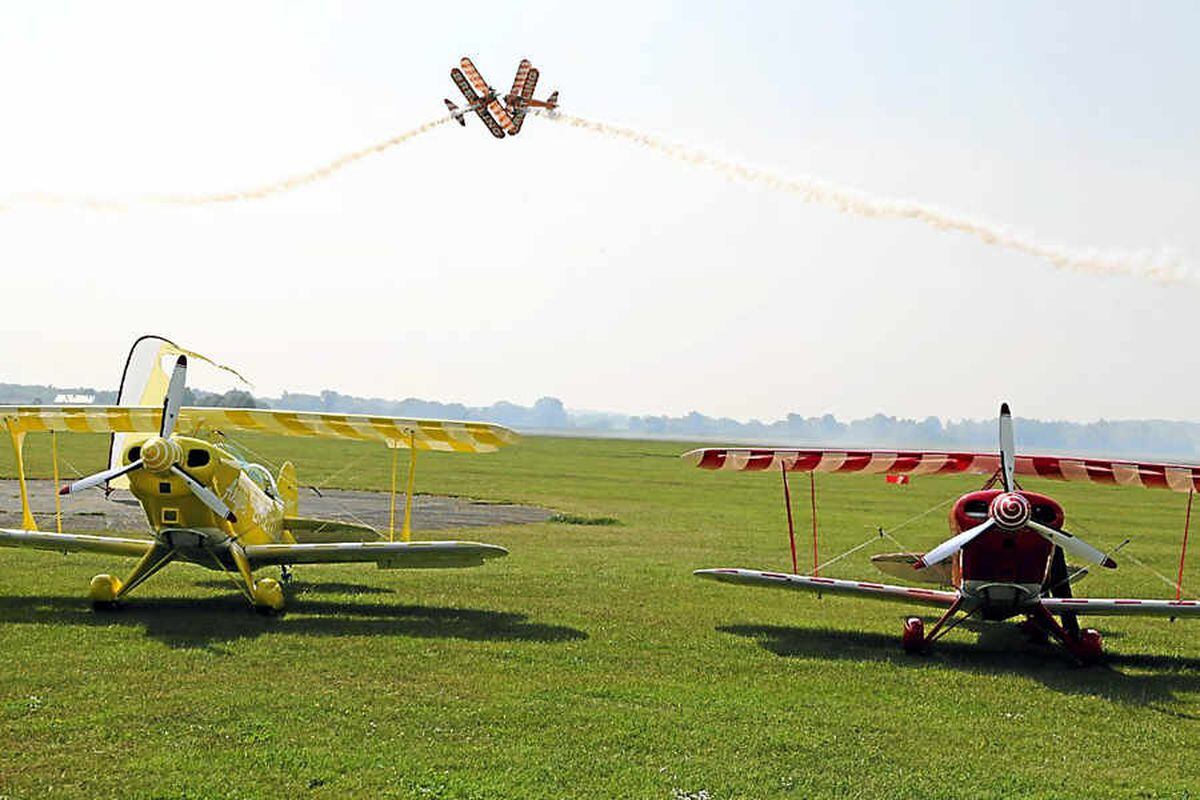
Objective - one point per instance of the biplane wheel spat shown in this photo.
(1006, 554)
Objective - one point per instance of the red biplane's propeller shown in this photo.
(161, 454)
(1012, 512)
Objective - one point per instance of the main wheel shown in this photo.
(103, 592)
(268, 596)
(1090, 646)
(913, 637)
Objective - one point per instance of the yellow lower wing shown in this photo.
(74, 543)
(399, 432)
(388, 555)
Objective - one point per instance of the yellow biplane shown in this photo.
(206, 506)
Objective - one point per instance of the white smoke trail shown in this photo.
(1158, 266)
(253, 193)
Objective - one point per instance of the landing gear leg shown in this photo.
(265, 594)
(106, 591)
(1087, 647)
(1060, 586)
(914, 639)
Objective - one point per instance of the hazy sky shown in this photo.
(457, 267)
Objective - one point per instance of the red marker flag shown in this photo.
(898, 479)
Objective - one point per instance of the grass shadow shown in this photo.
(1001, 649)
(297, 589)
(205, 623)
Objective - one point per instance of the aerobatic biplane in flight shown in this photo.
(486, 102)
(1006, 555)
(208, 506)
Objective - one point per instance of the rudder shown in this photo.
(289, 489)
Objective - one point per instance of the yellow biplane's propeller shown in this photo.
(161, 454)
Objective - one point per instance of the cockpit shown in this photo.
(262, 479)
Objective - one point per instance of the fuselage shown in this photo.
(178, 518)
(1004, 571)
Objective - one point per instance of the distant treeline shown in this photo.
(1127, 438)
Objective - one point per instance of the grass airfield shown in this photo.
(589, 663)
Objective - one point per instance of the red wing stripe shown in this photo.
(1177, 477)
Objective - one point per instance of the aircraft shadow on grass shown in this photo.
(300, 588)
(1157, 679)
(204, 623)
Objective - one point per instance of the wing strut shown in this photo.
(406, 531)
(787, 501)
(812, 496)
(392, 496)
(1187, 523)
(57, 496)
(406, 526)
(18, 445)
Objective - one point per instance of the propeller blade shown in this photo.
(951, 546)
(99, 478)
(1073, 545)
(205, 495)
(174, 399)
(1008, 458)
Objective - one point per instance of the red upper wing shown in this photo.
(1177, 477)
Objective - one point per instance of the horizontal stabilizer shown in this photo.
(454, 112)
(904, 567)
(307, 530)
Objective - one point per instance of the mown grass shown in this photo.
(589, 663)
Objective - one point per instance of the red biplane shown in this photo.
(1006, 557)
(486, 102)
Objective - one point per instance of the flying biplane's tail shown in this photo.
(289, 489)
(552, 100)
(456, 113)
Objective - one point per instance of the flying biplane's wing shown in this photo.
(522, 74)
(501, 116)
(388, 555)
(463, 86)
(1177, 477)
(74, 543)
(422, 434)
(813, 583)
(490, 121)
(1130, 607)
(473, 75)
(476, 103)
(518, 93)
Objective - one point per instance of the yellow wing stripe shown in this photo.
(426, 434)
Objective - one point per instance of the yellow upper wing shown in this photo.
(422, 434)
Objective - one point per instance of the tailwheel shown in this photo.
(1089, 647)
(913, 638)
(268, 596)
(103, 591)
